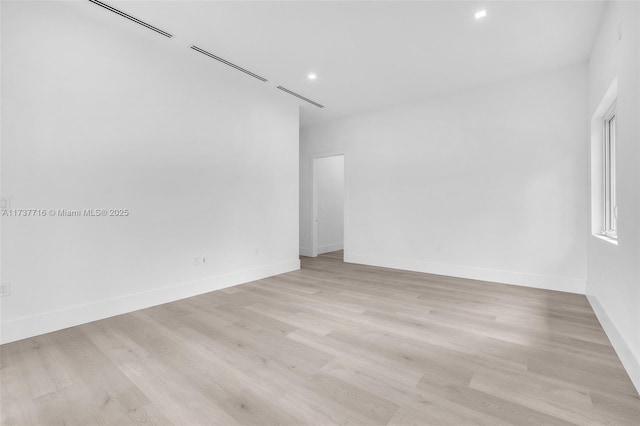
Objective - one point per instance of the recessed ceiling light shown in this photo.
(481, 14)
(312, 76)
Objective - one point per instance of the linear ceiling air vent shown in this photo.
(300, 96)
(217, 58)
(131, 18)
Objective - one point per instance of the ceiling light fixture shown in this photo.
(312, 76)
(481, 14)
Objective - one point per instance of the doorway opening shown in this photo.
(328, 233)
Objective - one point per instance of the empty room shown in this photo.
(320, 212)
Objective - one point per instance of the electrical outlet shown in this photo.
(620, 31)
(5, 289)
(199, 260)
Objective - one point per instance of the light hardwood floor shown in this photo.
(333, 343)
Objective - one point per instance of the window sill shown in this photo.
(610, 240)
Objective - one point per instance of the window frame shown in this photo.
(610, 206)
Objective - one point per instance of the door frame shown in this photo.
(314, 199)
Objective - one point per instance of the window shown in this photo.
(604, 204)
(610, 214)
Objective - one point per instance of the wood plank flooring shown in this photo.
(333, 343)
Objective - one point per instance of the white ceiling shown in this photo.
(368, 55)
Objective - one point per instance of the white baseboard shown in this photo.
(630, 359)
(306, 251)
(567, 284)
(328, 248)
(34, 325)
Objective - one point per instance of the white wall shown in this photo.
(488, 183)
(99, 112)
(614, 270)
(330, 203)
